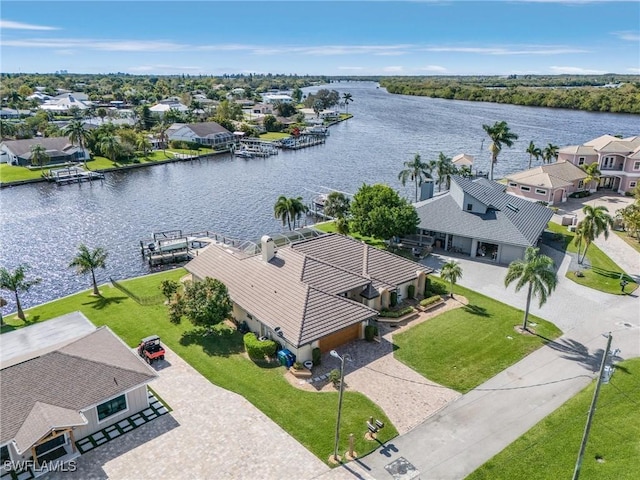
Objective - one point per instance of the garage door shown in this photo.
(336, 339)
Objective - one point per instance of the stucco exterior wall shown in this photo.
(509, 253)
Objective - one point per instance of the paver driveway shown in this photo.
(211, 434)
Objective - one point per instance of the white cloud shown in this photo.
(104, 45)
(628, 35)
(576, 70)
(393, 69)
(633, 70)
(351, 68)
(521, 50)
(165, 68)
(433, 68)
(63, 51)
(9, 25)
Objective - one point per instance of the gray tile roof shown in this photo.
(22, 148)
(521, 225)
(205, 129)
(77, 376)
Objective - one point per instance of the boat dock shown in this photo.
(73, 175)
(302, 141)
(253, 147)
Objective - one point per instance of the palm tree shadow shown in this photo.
(101, 303)
(476, 310)
(576, 351)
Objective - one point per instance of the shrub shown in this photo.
(258, 349)
(394, 299)
(316, 355)
(298, 366)
(334, 377)
(395, 313)
(430, 300)
(411, 291)
(370, 331)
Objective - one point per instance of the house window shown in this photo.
(51, 445)
(525, 189)
(632, 184)
(111, 407)
(540, 191)
(469, 207)
(581, 184)
(4, 454)
(636, 165)
(513, 184)
(581, 161)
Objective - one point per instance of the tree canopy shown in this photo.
(205, 303)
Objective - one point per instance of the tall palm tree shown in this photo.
(445, 168)
(110, 145)
(596, 222)
(78, 135)
(593, 174)
(550, 153)
(500, 135)
(39, 155)
(15, 282)
(337, 205)
(533, 151)
(297, 209)
(451, 272)
(417, 171)
(7, 129)
(282, 210)
(143, 144)
(537, 272)
(347, 98)
(86, 261)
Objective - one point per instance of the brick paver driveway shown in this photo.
(211, 434)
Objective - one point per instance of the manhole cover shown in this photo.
(401, 469)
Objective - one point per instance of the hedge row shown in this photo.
(258, 349)
(430, 300)
(396, 313)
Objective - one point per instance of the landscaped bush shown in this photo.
(370, 331)
(334, 377)
(430, 300)
(396, 313)
(394, 299)
(258, 349)
(184, 145)
(316, 356)
(580, 194)
(435, 288)
(411, 291)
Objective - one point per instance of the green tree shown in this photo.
(111, 146)
(337, 205)
(143, 144)
(102, 113)
(285, 109)
(87, 261)
(15, 282)
(596, 222)
(445, 168)
(296, 94)
(537, 272)
(347, 98)
(39, 155)
(378, 211)
(593, 174)
(77, 135)
(282, 210)
(630, 216)
(417, 171)
(169, 288)
(550, 153)
(500, 134)
(533, 151)
(205, 303)
(7, 129)
(451, 272)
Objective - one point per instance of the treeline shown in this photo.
(620, 95)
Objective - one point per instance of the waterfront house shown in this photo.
(618, 160)
(62, 380)
(276, 98)
(319, 292)
(311, 116)
(479, 219)
(64, 103)
(164, 106)
(462, 160)
(58, 149)
(210, 134)
(550, 183)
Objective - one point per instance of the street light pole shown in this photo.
(333, 353)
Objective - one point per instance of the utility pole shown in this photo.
(585, 436)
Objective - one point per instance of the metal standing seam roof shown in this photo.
(521, 226)
(41, 393)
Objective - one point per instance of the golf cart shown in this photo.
(150, 349)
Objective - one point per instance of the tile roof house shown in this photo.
(320, 292)
(58, 149)
(65, 102)
(62, 380)
(478, 218)
(618, 160)
(211, 134)
(550, 183)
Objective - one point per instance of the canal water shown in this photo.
(43, 224)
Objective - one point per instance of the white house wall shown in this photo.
(509, 253)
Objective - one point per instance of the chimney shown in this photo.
(365, 260)
(268, 248)
(426, 190)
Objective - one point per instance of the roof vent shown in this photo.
(512, 207)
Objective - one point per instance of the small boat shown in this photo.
(244, 154)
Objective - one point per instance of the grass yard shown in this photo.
(274, 136)
(14, 173)
(633, 241)
(309, 417)
(330, 227)
(464, 347)
(604, 274)
(550, 449)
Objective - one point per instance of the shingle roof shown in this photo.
(73, 378)
(519, 225)
(553, 175)
(578, 150)
(205, 129)
(22, 148)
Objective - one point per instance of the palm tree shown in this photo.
(78, 135)
(550, 153)
(282, 210)
(86, 261)
(445, 168)
(451, 272)
(7, 129)
(337, 205)
(3, 303)
(347, 98)
(110, 145)
(533, 151)
(297, 209)
(593, 174)
(537, 272)
(39, 155)
(596, 222)
(417, 171)
(500, 135)
(143, 144)
(15, 282)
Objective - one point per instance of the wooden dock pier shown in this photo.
(73, 175)
(302, 141)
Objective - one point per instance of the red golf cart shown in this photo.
(150, 349)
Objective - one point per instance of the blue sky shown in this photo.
(321, 37)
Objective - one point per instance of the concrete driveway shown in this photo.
(211, 434)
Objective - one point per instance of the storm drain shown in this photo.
(401, 469)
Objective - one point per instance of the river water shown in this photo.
(43, 224)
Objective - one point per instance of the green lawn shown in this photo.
(274, 136)
(604, 274)
(465, 347)
(550, 449)
(308, 416)
(13, 173)
(330, 227)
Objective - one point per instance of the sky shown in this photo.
(429, 37)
